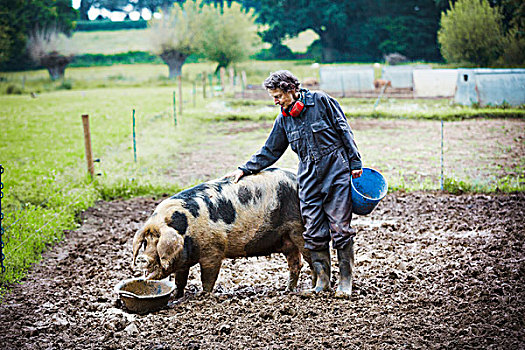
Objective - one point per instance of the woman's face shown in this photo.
(281, 98)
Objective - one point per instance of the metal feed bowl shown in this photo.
(142, 296)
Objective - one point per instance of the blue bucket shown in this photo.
(367, 191)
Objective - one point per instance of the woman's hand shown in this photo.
(235, 175)
(357, 173)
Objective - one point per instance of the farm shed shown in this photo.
(435, 82)
(490, 86)
(347, 78)
(401, 76)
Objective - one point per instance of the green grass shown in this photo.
(42, 146)
(108, 42)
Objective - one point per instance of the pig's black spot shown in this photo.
(190, 251)
(288, 200)
(179, 222)
(226, 210)
(288, 205)
(269, 237)
(222, 210)
(192, 206)
(218, 185)
(258, 194)
(211, 208)
(189, 198)
(196, 191)
(245, 195)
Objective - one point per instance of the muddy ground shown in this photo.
(432, 271)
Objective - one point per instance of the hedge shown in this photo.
(107, 24)
(88, 60)
(130, 57)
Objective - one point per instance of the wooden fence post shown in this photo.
(87, 144)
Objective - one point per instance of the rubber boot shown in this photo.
(345, 257)
(322, 269)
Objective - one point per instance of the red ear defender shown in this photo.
(295, 111)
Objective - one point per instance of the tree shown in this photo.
(178, 34)
(471, 32)
(231, 35)
(18, 18)
(5, 43)
(354, 29)
(513, 54)
(411, 32)
(85, 6)
(288, 18)
(43, 48)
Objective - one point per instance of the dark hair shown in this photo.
(282, 79)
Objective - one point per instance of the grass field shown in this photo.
(109, 41)
(42, 146)
(140, 75)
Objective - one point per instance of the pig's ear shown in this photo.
(137, 243)
(169, 247)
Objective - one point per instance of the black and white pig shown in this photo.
(220, 219)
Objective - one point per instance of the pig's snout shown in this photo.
(142, 262)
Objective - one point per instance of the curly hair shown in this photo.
(282, 79)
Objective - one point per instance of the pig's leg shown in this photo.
(297, 238)
(294, 265)
(293, 256)
(181, 279)
(209, 274)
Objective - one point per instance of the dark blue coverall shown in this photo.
(324, 143)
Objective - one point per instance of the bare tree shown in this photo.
(44, 47)
(178, 34)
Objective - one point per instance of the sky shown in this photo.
(116, 15)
